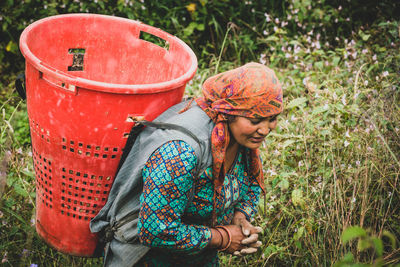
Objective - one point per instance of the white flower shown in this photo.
(374, 57)
(300, 163)
(353, 200)
(263, 59)
(366, 82)
(347, 134)
(267, 17)
(358, 163)
(385, 73)
(346, 143)
(265, 32)
(271, 172)
(344, 100)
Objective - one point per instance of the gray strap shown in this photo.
(170, 126)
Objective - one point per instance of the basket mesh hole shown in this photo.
(83, 194)
(44, 187)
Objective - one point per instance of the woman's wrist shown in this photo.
(217, 239)
(225, 245)
(220, 238)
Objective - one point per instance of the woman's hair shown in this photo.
(230, 118)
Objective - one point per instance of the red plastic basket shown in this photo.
(86, 76)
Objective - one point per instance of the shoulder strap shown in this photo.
(135, 130)
(138, 127)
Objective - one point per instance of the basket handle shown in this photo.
(154, 39)
(54, 81)
(20, 85)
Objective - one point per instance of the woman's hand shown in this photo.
(251, 232)
(221, 236)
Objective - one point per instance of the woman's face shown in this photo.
(251, 132)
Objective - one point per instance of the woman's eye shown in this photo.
(273, 118)
(255, 121)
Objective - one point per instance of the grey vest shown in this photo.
(123, 200)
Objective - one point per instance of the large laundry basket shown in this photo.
(87, 75)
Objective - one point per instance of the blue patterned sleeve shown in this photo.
(248, 205)
(168, 181)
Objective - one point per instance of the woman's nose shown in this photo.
(264, 128)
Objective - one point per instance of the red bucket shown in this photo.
(86, 76)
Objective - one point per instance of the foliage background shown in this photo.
(332, 166)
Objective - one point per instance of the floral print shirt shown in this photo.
(176, 206)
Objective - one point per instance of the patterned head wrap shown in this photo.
(251, 91)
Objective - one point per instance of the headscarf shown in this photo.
(251, 91)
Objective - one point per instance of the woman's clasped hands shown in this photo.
(250, 241)
(239, 238)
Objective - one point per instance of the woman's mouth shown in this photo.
(257, 139)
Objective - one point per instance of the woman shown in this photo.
(200, 190)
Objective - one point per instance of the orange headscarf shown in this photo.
(251, 91)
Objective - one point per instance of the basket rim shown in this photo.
(104, 86)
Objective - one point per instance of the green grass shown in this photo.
(331, 167)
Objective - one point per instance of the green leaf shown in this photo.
(298, 244)
(363, 244)
(348, 258)
(284, 184)
(299, 233)
(29, 173)
(272, 38)
(335, 61)
(190, 28)
(352, 232)
(200, 27)
(320, 109)
(288, 143)
(319, 65)
(391, 237)
(296, 102)
(297, 197)
(378, 246)
(364, 36)
(20, 191)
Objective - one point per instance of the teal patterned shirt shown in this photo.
(176, 206)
